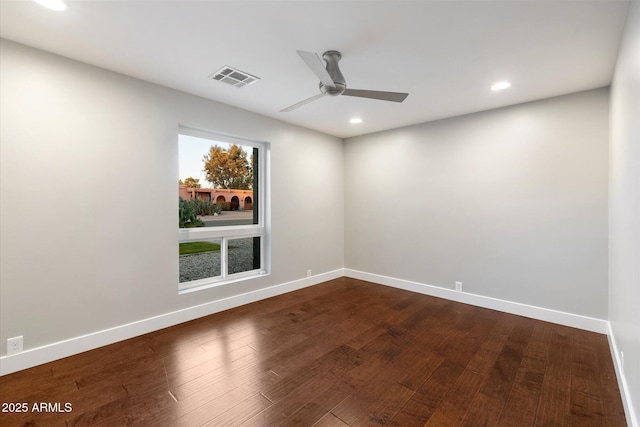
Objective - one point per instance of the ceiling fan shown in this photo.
(332, 81)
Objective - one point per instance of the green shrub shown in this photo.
(187, 215)
(205, 207)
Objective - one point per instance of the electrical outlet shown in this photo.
(14, 345)
(458, 286)
(622, 361)
(308, 273)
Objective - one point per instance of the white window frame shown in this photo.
(226, 233)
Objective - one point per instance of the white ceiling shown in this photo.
(446, 54)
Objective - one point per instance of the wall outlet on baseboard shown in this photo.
(14, 345)
(458, 286)
(309, 273)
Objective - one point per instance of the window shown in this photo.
(222, 209)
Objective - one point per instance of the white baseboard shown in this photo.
(629, 410)
(540, 313)
(58, 350)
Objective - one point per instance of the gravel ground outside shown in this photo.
(207, 264)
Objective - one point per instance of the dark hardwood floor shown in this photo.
(345, 352)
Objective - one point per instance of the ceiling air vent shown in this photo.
(233, 77)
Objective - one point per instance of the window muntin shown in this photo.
(239, 229)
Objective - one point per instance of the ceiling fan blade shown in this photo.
(317, 65)
(301, 103)
(375, 94)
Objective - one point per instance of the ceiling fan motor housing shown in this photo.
(332, 57)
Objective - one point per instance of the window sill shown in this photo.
(212, 282)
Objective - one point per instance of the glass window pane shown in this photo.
(218, 183)
(199, 260)
(244, 254)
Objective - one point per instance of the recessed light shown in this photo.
(500, 86)
(355, 120)
(52, 4)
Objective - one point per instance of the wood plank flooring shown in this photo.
(342, 353)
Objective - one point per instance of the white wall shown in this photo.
(512, 202)
(624, 208)
(88, 197)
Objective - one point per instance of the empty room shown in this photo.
(320, 213)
